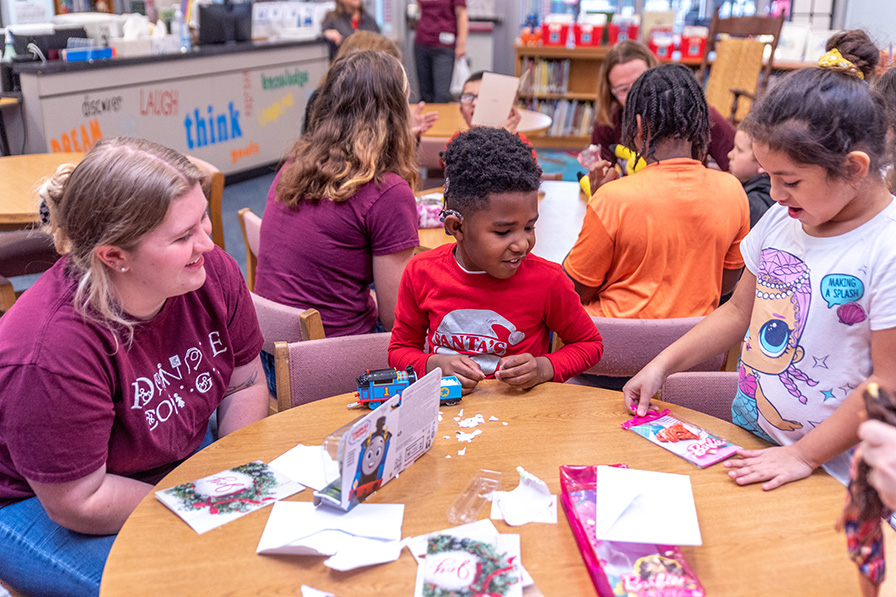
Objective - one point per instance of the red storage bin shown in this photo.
(589, 35)
(693, 47)
(662, 44)
(622, 32)
(554, 34)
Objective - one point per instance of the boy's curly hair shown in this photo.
(483, 161)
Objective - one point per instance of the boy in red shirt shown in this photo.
(485, 306)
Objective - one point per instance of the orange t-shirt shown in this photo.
(655, 243)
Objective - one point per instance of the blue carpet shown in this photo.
(552, 161)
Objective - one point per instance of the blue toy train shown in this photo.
(377, 386)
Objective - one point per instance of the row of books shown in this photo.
(569, 117)
(548, 76)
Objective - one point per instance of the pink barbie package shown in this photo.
(616, 568)
(691, 442)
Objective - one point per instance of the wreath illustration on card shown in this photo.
(239, 489)
(464, 567)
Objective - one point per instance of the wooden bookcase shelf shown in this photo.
(564, 86)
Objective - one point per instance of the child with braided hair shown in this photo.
(663, 242)
(816, 306)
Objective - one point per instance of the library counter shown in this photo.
(237, 106)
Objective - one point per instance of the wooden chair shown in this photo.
(629, 344)
(250, 224)
(737, 70)
(281, 323)
(23, 252)
(316, 369)
(214, 192)
(710, 393)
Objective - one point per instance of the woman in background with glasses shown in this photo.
(624, 63)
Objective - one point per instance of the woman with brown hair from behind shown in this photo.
(341, 213)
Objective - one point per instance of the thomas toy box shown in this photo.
(555, 34)
(589, 35)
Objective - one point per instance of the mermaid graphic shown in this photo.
(771, 346)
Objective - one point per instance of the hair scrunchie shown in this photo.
(835, 61)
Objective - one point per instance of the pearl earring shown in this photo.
(124, 269)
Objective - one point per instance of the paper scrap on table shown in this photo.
(309, 465)
(467, 437)
(368, 534)
(462, 452)
(645, 507)
(212, 501)
(527, 502)
(471, 422)
(493, 418)
(547, 516)
(312, 592)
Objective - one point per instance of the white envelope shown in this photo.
(637, 506)
(368, 534)
(309, 465)
(496, 96)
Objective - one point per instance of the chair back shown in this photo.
(428, 154)
(250, 224)
(316, 369)
(214, 192)
(287, 324)
(737, 66)
(629, 344)
(22, 253)
(708, 392)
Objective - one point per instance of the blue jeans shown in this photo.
(434, 69)
(40, 557)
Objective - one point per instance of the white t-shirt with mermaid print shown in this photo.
(809, 342)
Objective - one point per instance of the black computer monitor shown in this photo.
(225, 23)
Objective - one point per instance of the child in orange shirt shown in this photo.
(663, 242)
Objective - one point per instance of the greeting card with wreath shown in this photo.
(470, 567)
(220, 498)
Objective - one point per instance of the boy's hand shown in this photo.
(778, 465)
(465, 369)
(524, 370)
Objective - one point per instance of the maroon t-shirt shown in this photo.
(437, 17)
(721, 137)
(73, 399)
(320, 255)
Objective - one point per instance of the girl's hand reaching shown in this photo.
(642, 387)
(776, 466)
(465, 369)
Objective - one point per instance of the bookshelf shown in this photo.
(564, 86)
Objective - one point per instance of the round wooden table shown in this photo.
(450, 121)
(20, 175)
(754, 543)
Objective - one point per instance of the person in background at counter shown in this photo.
(113, 363)
(348, 17)
(441, 39)
(624, 63)
(368, 40)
